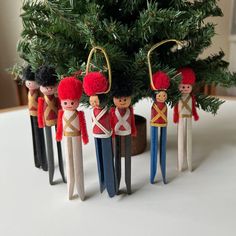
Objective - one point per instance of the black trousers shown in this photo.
(127, 155)
(40, 158)
(50, 156)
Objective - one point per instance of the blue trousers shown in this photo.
(154, 152)
(105, 163)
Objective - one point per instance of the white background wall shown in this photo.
(10, 28)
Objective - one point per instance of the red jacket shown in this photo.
(123, 121)
(82, 123)
(101, 123)
(159, 114)
(33, 102)
(47, 110)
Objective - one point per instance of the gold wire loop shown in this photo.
(179, 43)
(88, 66)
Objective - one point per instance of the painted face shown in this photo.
(123, 102)
(69, 105)
(31, 85)
(185, 88)
(94, 101)
(161, 96)
(48, 90)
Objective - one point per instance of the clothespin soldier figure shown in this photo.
(96, 85)
(160, 82)
(40, 159)
(47, 115)
(123, 125)
(71, 123)
(183, 113)
(160, 85)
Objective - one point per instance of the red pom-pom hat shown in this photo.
(70, 88)
(161, 81)
(95, 83)
(188, 75)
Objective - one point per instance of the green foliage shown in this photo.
(62, 32)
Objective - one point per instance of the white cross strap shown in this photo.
(122, 121)
(97, 123)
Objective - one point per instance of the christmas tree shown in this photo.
(61, 33)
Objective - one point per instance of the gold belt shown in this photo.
(186, 116)
(72, 134)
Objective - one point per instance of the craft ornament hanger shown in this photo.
(180, 45)
(88, 67)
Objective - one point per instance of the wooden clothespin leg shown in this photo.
(163, 153)
(50, 154)
(98, 148)
(128, 163)
(117, 150)
(108, 163)
(154, 152)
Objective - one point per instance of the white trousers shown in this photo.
(185, 143)
(74, 166)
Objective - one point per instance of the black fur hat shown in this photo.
(46, 76)
(122, 88)
(28, 74)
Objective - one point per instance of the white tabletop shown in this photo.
(198, 203)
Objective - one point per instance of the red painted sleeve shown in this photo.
(59, 125)
(41, 112)
(112, 120)
(83, 127)
(194, 109)
(133, 125)
(176, 113)
(58, 104)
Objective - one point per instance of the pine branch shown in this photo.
(208, 103)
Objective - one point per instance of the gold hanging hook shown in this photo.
(103, 51)
(180, 46)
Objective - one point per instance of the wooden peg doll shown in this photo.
(95, 84)
(40, 159)
(47, 115)
(160, 84)
(183, 113)
(123, 126)
(71, 123)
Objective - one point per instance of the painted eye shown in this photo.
(183, 87)
(125, 100)
(72, 103)
(120, 100)
(65, 103)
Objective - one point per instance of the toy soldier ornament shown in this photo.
(71, 123)
(94, 85)
(123, 125)
(183, 113)
(160, 84)
(47, 115)
(40, 159)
